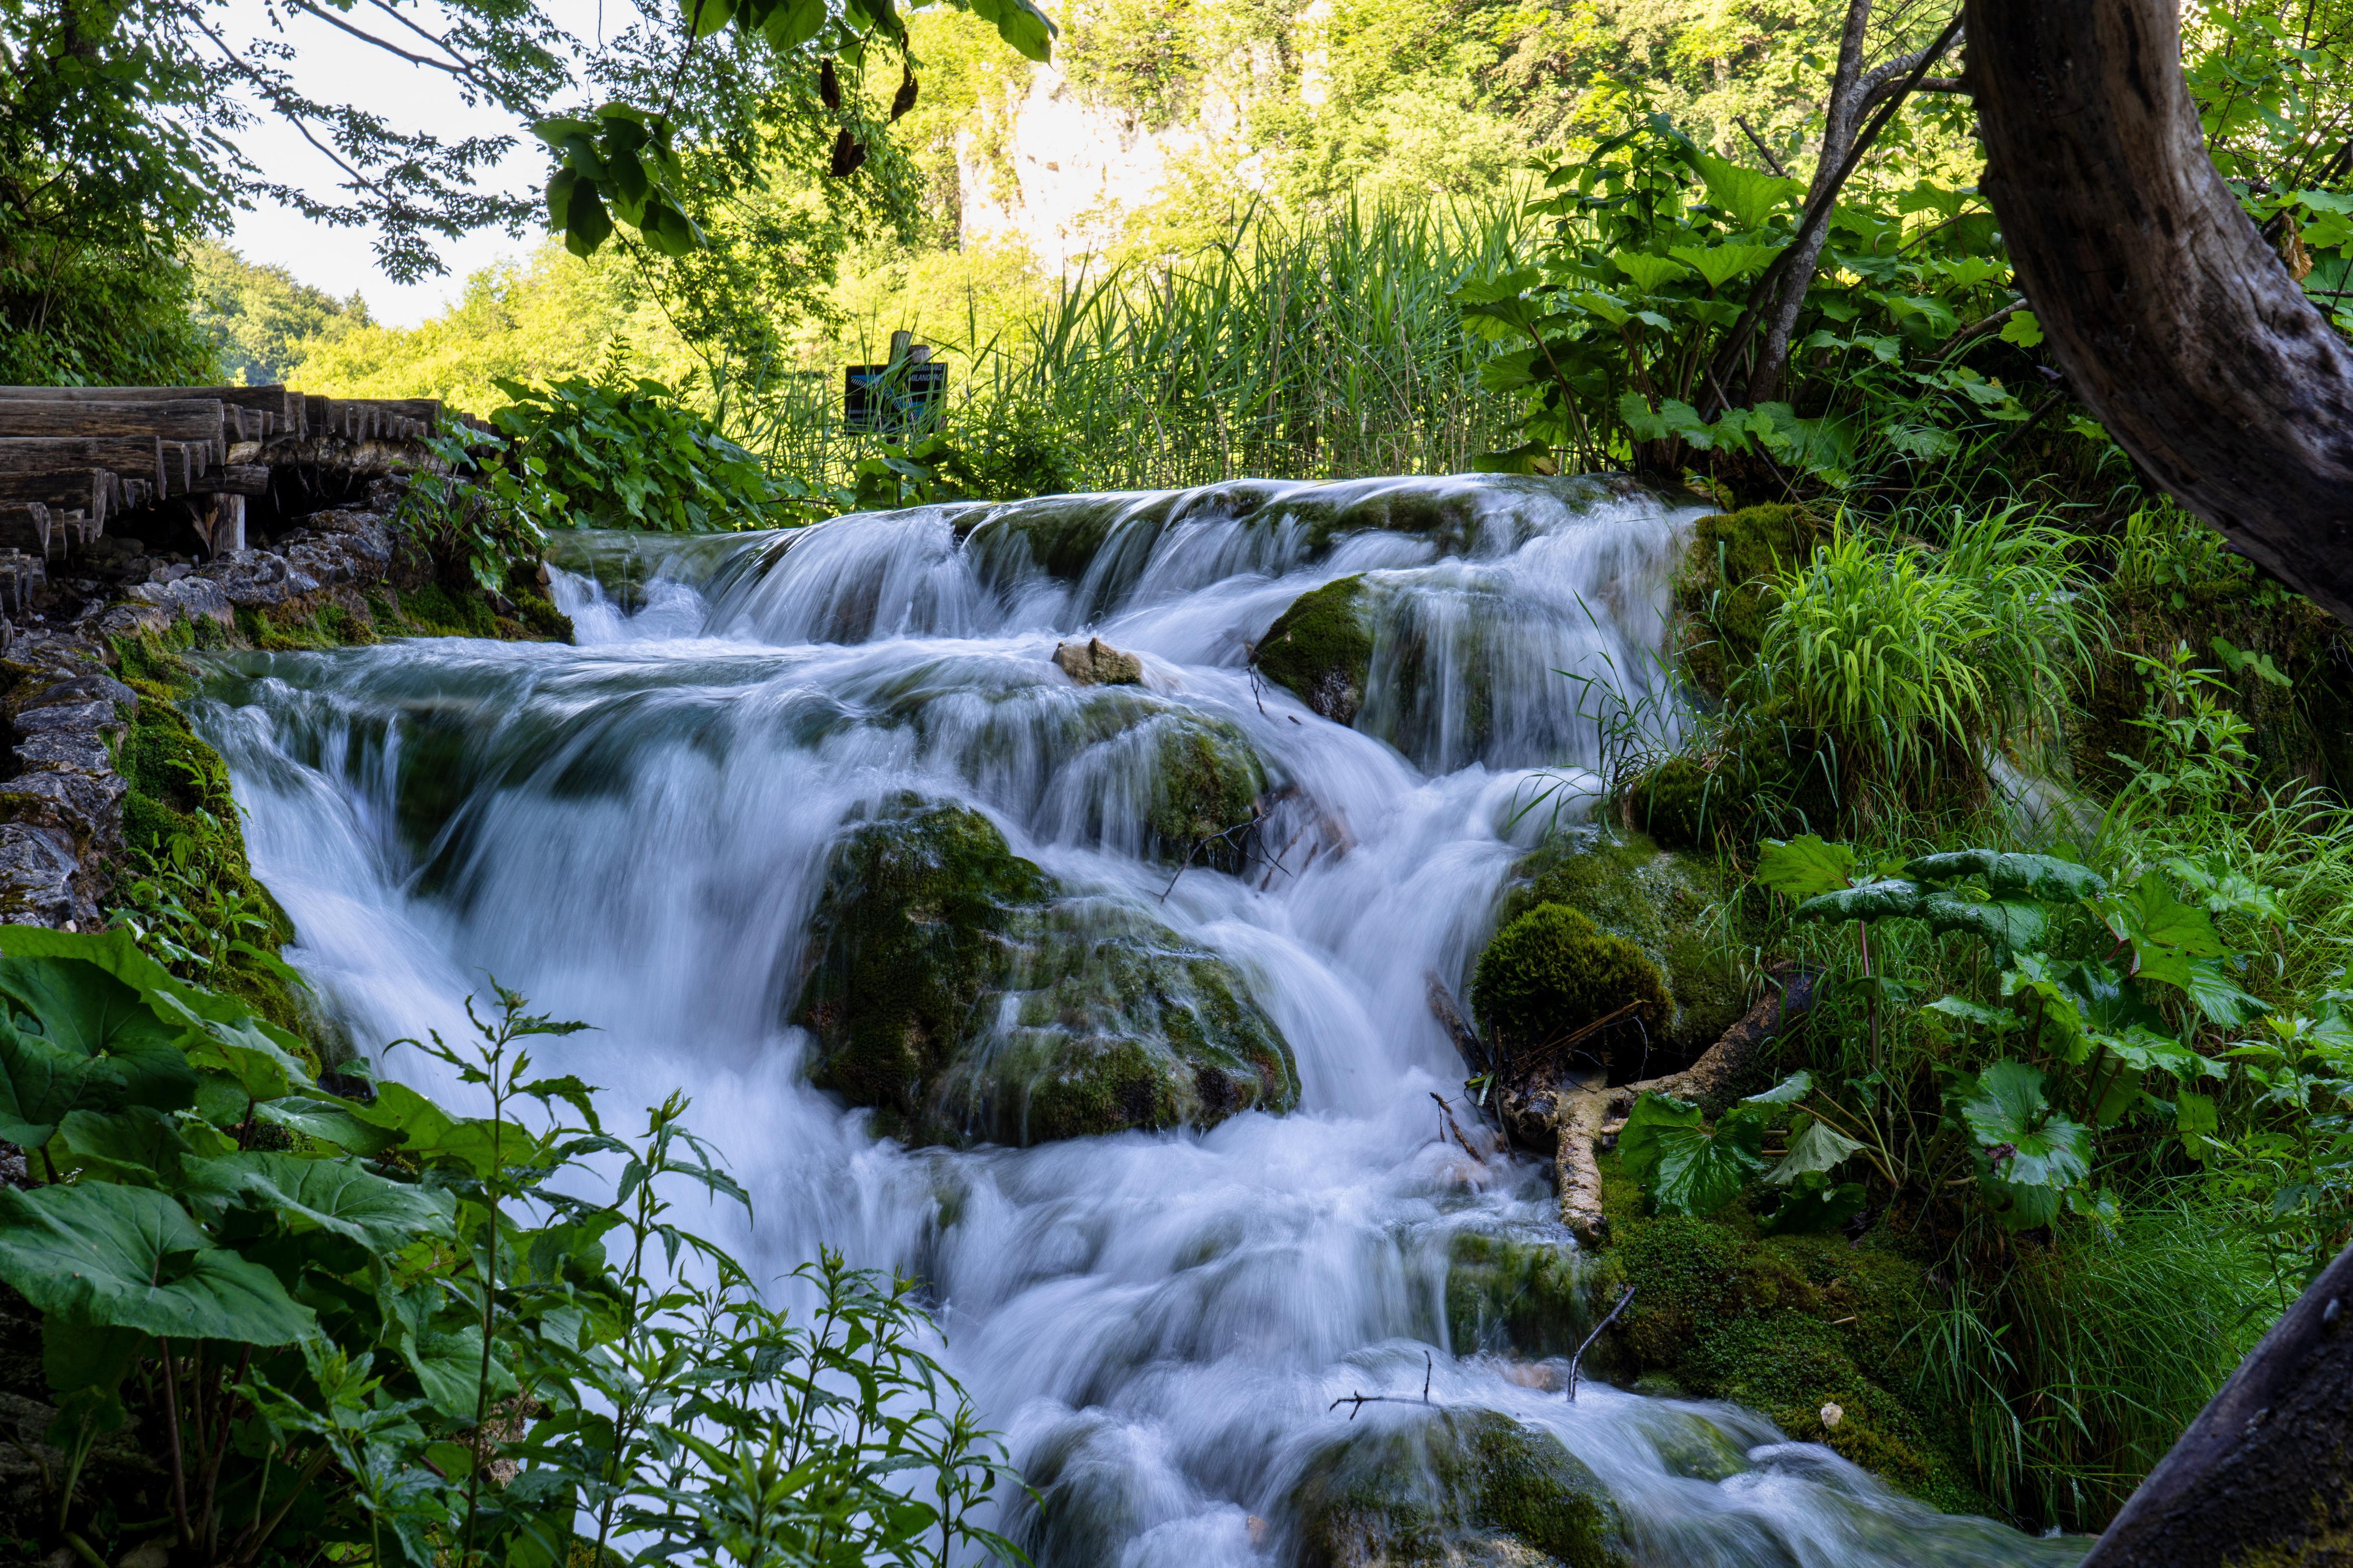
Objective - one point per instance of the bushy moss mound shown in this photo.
(1665, 904)
(1785, 1325)
(1723, 587)
(1321, 650)
(1454, 1488)
(1207, 782)
(1552, 971)
(958, 990)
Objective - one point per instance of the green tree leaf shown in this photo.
(130, 1257)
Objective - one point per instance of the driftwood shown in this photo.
(1581, 1112)
(2174, 319)
(2265, 1473)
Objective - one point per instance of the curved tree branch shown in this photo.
(2174, 321)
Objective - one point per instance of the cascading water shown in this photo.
(638, 831)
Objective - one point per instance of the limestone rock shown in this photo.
(1321, 650)
(1098, 664)
(960, 991)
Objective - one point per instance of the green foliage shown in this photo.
(258, 318)
(1627, 324)
(341, 1331)
(634, 457)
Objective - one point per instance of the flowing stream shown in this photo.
(635, 831)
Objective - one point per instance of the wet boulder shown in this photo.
(1554, 982)
(1515, 1294)
(1204, 794)
(968, 997)
(1457, 1487)
(1321, 650)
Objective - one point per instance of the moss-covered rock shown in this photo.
(1518, 1294)
(1785, 1325)
(1553, 972)
(1321, 650)
(1725, 590)
(1456, 1488)
(1207, 784)
(1669, 905)
(958, 989)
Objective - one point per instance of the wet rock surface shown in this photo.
(968, 997)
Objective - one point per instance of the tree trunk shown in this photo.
(2265, 1473)
(2176, 325)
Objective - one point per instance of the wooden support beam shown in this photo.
(281, 407)
(133, 456)
(95, 491)
(235, 480)
(192, 420)
(24, 525)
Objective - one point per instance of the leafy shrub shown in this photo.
(343, 1313)
(634, 456)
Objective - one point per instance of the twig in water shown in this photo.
(1624, 1296)
(1358, 1401)
(1206, 840)
(1447, 1124)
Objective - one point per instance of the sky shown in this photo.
(341, 260)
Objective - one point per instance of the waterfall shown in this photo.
(639, 831)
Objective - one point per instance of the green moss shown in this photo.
(1685, 803)
(1508, 1293)
(1667, 904)
(1321, 650)
(436, 612)
(1207, 782)
(1553, 972)
(1724, 587)
(1787, 1325)
(185, 876)
(1453, 1487)
(957, 988)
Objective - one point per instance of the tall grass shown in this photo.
(1910, 660)
(1321, 348)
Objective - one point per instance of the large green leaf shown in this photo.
(2009, 876)
(80, 1005)
(130, 1257)
(1821, 1147)
(330, 1121)
(2028, 1144)
(1887, 897)
(1021, 23)
(2006, 925)
(1720, 264)
(1816, 1205)
(1803, 868)
(114, 952)
(1748, 197)
(430, 1134)
(40, 1082)
(338, 1196)
(2165, 933)
(1689, 1169)
(1649, 273)
(135, 1145)
(245, 1050)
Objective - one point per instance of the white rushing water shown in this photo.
(635, 831)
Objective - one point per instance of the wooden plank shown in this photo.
(92, 489)
(298, 421)
(273, 399)
(192, 420)
(235, 480)
(133, 456)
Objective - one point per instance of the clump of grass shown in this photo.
(1907, 661)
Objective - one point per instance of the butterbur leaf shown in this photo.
(1654, 1117)
(1821, 1147)
(1999, 1020)
(80, 1006)
(1788, 1091)
(2215, 995)
(130, 1258)
(342, 1196)
(2010, 876)
(2026, 1143)
(1720, 264)
(1805, 868)
(1649, 273)
(1816, 1205)
(40, 1082)
(1689, 1169)
(135, 1145)
(330, 1121)
(1749, 198)
(245, 1052)
(2003, 925)
(1889, 898)
(2165, 933)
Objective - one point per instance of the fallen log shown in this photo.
(197, 421)
(133, 456)
(1581, 1109)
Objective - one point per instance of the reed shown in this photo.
(1319, 348)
